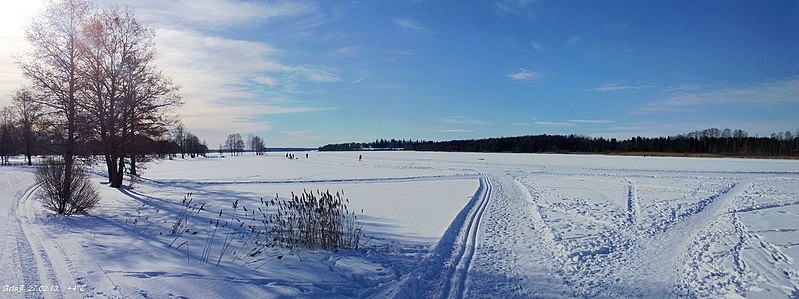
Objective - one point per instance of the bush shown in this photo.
(79, 198)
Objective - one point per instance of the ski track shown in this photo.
(45, 263)
(521, 237)
(467, 247)
(444, 273)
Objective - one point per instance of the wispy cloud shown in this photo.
(536, 45)
(555, 124)
(14, 15)
(513, 8)
(407, 24)
(765, 94)
(460, 120)
(590, 121)
(611, 87)
(220, 77)
(356, 81)
(573, 40)
(521, 124)
(265, 80)
(524, 75)
(349, 51)
(453, 131)
(400, 52)
(211, 13)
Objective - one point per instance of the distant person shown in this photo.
(360, 158)
(306, 156)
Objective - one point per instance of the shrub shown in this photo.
(79, 198)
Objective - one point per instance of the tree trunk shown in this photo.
(133, 166)
(110, 163)
(29, 159)
(120, 171)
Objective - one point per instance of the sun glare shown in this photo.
(14, 15)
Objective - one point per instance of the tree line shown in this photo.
(711, 141)
(379, 144)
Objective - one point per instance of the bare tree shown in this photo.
(180, 139)
(52, 68)
(30, 119)
(8, 135)
(234, 143)
(126, 96)
(257, 145)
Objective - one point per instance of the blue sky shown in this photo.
(309, 73)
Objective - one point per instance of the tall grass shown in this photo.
(314, 221)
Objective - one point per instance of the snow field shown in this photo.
(438, 225)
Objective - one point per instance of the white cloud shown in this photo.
(315, 74)
(590, 121)
(765, 94)
(14, 16)
(555, 124)
(401, 52)
(610, 87)
(216, 76)
(460, 120)
(345, 52)
(210, 13)
(265, 80)
(407, 24)
(516, 8)
(359, 80)
(524, 75)
(453, 131)
(573, 40)
(536, 46)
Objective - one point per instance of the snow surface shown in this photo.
(438, 225)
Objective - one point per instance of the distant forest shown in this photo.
(714, 142)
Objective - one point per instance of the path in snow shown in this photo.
(608, 233)
(444, 273)
(36, 261)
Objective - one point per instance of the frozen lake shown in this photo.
(437, 225)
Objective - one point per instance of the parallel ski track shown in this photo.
(444, 273)
(49, 265)
(457, 285)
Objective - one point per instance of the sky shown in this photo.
(309, 73)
